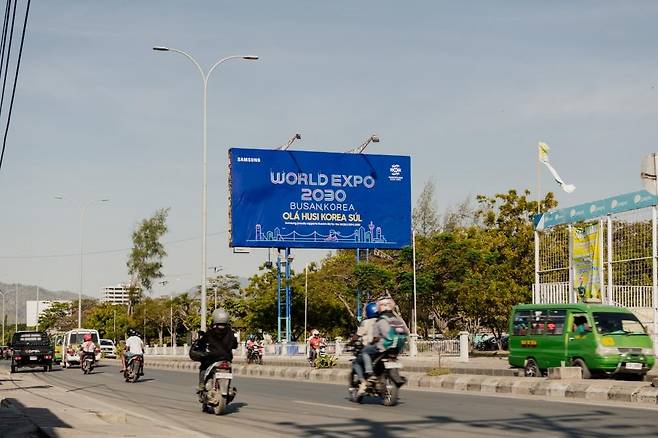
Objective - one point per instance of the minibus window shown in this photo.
(521, 322)
(580, 324)
(555, 322)
(538, 322)
(617, 323)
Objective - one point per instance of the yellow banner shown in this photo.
(587, 263)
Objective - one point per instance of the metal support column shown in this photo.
(601, 262)
(537, 288)
(288, 297)
(654, 263)
(572, 295)
(278, 296)
(610, 301)
(358, 291)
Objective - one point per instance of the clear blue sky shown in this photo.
(466, 88)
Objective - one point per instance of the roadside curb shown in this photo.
(593, 390)
(409, 365)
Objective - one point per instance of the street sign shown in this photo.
(648, 173)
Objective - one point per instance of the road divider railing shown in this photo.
(423, 348)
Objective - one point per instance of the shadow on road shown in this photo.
(42, 417)
(144, 380)
(597, 423)
(27, 387)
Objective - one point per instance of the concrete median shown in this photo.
(591, 390)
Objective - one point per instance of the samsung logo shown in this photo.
(248, 160)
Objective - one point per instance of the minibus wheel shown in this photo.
(531, 369)
(583, 366)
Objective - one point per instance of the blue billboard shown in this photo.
(302, 199)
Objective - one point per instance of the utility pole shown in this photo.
(37, 327)
(16, 328)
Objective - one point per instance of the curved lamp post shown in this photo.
(204, 78)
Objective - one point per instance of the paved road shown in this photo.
(266, 407)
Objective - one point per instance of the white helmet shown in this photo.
(219, 316)
(314, 332)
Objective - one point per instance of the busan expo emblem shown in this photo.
(396, 173)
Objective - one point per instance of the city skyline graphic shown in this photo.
(373, 234)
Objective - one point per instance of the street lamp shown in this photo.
(83, 208)
(3, 316)
(204, 213)
(374, 138)
(215, 270)
(290, 142)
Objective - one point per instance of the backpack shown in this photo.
(198, 350)
(397, 333)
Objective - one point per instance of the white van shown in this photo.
(71, 345)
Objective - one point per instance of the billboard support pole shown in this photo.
(288, 297)
(358, 291)
(278, 296)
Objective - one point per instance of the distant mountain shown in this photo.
(25, 293)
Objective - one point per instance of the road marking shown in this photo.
(324, 405)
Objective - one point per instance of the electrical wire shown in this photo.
(106, 251)
(6, 72)
(4, 36)
(18, 66)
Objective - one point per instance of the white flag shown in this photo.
(543, 157)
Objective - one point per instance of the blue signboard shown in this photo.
(594, 210)
(301, 199)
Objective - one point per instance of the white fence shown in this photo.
(548, 293)
(633, 297)
(445, 347)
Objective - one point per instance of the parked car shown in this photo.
(597, 338)
(108, 349)
(71, 344)
(31, 349)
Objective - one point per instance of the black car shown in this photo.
(31, 349)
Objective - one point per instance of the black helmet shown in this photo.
(132, 332)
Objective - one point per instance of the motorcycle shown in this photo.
(134, 368)
(386, 382)
(87, 362)
(255, 354)
(217, 392)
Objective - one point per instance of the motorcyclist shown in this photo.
(134, 347)
(252, 345)
(88, 347)
(216, 344)
(365, 335)
(382, 328)
(314, 345)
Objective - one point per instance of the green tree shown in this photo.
(109, 318)
(145, 260)
(507, 271)
(425, 219)
(56, 317)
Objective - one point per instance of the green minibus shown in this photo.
(597, 338)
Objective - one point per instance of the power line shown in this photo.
(107, 251)
(18, 66)
(4, 35)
